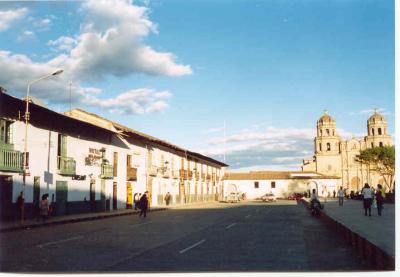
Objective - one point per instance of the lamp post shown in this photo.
(25, 159)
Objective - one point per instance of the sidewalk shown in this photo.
(379, 231)
(56, 220)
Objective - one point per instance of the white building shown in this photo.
(281, 183)
(87, 163)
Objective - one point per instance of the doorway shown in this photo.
(61, 197)
(128, 195)
(114, 204)
(6, 206)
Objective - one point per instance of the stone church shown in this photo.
(335, 156)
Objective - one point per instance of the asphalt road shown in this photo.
(250, 236)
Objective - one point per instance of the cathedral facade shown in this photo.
(337, 157)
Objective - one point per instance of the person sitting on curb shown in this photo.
(314, 199)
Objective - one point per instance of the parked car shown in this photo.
(268, 197)
(295, 196)
(233, 197)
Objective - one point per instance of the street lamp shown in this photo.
(25, 159)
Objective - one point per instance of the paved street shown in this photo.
(250, 236)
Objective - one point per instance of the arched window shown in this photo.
(379, 131)
(333, 132)
(327, 132)
(328, 147)
(372, 144)
(381, 144)
(320, 147)
(320, 132)
(373, 131)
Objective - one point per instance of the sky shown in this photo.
(182, 70)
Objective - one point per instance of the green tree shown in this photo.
(380, 160)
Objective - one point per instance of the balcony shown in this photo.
(203, 176)
(131, 174)
(107, 171)
(190, 174)
(153, 170)
(208, 177)
(197, 175)
(66, 166)
(10, 160)
(183, 174)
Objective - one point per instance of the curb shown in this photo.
(375, 256)
(72, 220)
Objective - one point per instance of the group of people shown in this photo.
(142, 202)
(43, 209)
(371, 197)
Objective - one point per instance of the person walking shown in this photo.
(20, 205)
(334, 193)
(143, 204)
(324, 194)
(380, 198)
(44, 207)
(167, 198)
(367, 196)
(341, 196)
(135, 200)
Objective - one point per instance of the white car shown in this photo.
(232, 197)
(268, 197)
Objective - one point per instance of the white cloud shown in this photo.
(26, 35)
(8, 17)
(137, 101)
(43, 23)
(215, 130)
(269, 134)
(63, 43)
(110, 43)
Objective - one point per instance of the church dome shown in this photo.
(326, 119)
(376, 117)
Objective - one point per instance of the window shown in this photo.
(328, 147)
(379, 131)
(327, 132)
(333, 132)
(373, 131)
(381, 144)
(320, 132)
(372, 144)
(256, 185)
(128, 161)
(320, 147)
(272, 184)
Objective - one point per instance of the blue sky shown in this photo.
(178, 69)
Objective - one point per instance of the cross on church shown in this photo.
(325, 111)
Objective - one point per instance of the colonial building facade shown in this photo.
(281, 183)
(337, 157)
(87, 163)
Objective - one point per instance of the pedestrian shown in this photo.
(167, 198)
(20, 205)
(143, 204)
(334, 193)
(324, 194)
(380, 198)
(44, 207)
(341, 196)
(367, 199)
